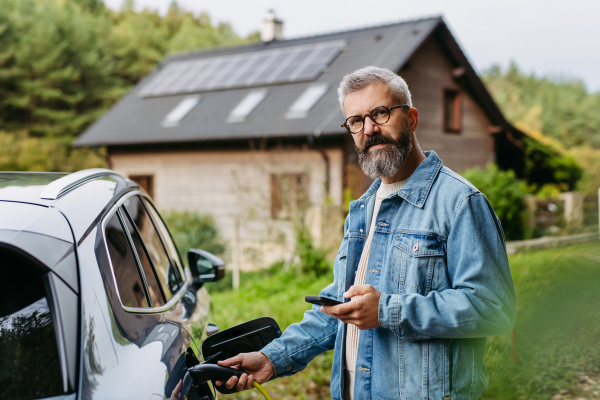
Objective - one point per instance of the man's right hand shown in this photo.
(256, 365)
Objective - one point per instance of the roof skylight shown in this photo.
(308, 98)
(181, 110)
(245, 107)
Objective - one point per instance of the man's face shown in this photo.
(382, 149)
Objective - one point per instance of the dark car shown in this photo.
(95, 301)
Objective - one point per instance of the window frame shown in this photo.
(457, 111)
(185, 285)
(64, 325)
(150, 179)
(122, 210)
(297, 180)
(184, 276)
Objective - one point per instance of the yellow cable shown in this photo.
(260, 389)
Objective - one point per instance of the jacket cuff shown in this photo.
(279, 360)
(389, 312)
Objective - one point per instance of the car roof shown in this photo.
(58, 205)
(45, 215)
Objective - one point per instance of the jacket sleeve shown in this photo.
(315, 334)
(481, 301)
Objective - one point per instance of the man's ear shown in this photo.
(413, 118)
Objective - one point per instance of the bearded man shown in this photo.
(422, 270)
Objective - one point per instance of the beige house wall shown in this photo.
(235, 188)
(428, 74)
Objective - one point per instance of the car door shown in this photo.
(136, 307)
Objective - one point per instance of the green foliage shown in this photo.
(56, 70)
(22, 152)
(558, 339)
(560, 108)
(506, 193)
(545, 166)
(191, 230)
(312, 260)
(63, 63)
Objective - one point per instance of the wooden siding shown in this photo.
(428, 75)
(235, 185)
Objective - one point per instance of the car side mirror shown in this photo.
(205, 267)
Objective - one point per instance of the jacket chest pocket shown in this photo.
(415, 258)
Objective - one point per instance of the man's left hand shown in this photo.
(362, 311)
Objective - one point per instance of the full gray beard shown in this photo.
(387, 161)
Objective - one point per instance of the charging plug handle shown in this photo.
(203, 373)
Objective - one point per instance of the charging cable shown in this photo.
(260, 389)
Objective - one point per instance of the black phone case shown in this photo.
(321, 301)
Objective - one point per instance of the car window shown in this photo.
(156, 250)
(27, 339)
(129, 283)
(154, 288)
(164, 232)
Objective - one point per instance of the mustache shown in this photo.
(375, 140)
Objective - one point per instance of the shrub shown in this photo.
(312, 260)
(191, 230)
(506, 193)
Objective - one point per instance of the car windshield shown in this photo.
(29, 364)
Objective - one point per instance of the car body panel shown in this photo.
(34, 218)
(106, 350)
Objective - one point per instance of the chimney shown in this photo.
(272, 28)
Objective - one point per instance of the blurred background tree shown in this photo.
(64, 63)
(560, 114)
(561, 108)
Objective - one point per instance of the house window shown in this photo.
(145, 181)
(452, 111)
(289, 195)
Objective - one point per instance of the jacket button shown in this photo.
(361, 230)
(415, 247)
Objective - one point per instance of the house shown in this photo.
(253, 134)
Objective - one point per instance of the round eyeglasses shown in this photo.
(379, 115)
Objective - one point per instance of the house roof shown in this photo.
(140, 119)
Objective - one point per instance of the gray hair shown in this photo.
(366, 76)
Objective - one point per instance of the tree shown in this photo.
(63, 63)
(561, 108)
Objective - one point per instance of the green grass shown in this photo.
(557, 331)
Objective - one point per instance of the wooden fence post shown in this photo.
(237, 255)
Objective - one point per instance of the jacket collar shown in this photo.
(417, 187)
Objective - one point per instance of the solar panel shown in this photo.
(244, 71)
(286, 64)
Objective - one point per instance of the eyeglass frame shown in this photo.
(369, 115)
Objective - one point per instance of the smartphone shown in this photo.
(322, 301)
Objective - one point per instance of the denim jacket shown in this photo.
(439, 258)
